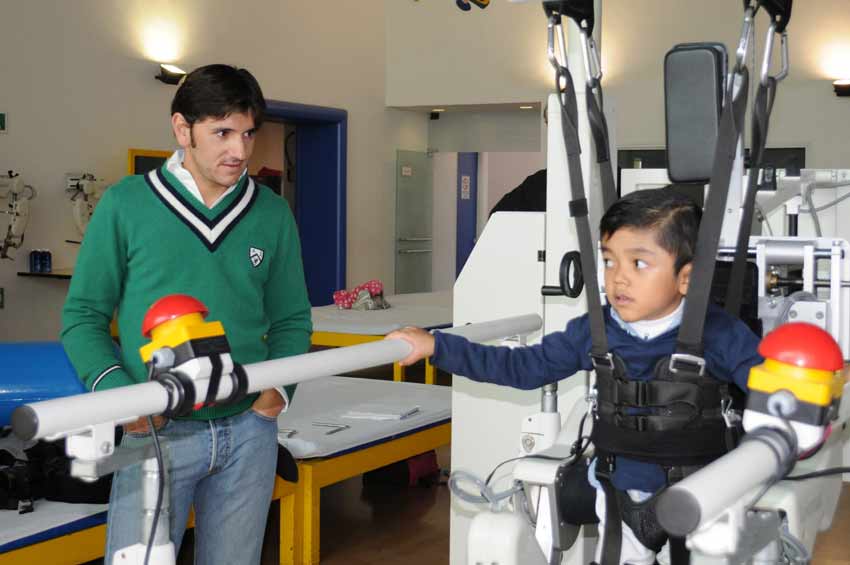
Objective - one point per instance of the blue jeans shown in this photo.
(225, 468)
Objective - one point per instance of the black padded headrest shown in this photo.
(694, 77)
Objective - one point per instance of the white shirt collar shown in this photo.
(174, 165)
(649, 329)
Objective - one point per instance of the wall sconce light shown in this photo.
(170, 74)
(841, 87)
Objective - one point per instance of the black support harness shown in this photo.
(681, 419)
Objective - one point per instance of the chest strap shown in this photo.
(674, 420)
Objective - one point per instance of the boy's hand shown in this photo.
(422, 342)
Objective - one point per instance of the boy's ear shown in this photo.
(684, 278)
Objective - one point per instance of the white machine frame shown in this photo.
(505, 534)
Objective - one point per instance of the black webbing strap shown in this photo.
(780, 12)
(215, 379)
(679, 552)
(578, 210)
(578, 204)
(760, 121)
(689, 340)
(581, 11)
(599, 130)
(612, 537)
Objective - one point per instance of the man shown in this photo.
(197, 226)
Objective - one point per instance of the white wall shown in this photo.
(444, 175)
(806, 113)
(79, 90)
(493, 130)
(506, 170)
(437, 55)
(498, 173)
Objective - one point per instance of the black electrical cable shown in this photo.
(578, 448)
(290, 162)
(816, 474)
(160, 489)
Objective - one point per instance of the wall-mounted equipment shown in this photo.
(85, 192)
(18, 196)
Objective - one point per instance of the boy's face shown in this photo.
(216, 150)
(640, 278)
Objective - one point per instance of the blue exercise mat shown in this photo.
(33, 371)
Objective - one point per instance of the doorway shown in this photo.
(320, 165)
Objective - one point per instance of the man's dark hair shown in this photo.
(674, 217)
(216, 91)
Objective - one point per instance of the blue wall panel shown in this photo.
(467, 206)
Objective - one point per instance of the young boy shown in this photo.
(648, 242)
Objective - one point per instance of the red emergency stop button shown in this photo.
(802, 345)
(170, 307)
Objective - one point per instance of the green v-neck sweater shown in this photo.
(150, 237)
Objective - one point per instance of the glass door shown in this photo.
(414, 219)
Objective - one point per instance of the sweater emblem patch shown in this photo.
(256, 256)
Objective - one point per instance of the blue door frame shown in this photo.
(467, 207)
(320, 192)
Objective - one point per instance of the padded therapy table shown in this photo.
(378, 423)
(333, 327)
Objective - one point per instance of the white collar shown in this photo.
(649, 329)
(176, 168)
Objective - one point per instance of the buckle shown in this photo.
(592, 399)
(605, 361)
(605, 466)
(689, 359)
(730, 416)
(640, 393)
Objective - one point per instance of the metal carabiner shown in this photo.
(554, 21)
(592, 67)
(746, 36)
(768, 52)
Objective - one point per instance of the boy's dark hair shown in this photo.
(674, 217)
(216, 91)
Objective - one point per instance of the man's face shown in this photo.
(216, 150)
(640, 278)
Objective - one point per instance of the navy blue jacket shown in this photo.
(730, 352)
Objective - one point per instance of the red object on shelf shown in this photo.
(170, 307)
(802, 345)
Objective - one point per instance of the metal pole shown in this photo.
(61, 417)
